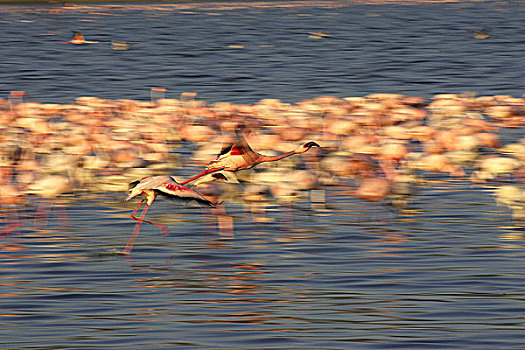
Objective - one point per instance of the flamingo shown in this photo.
(49, 188)
(480, 34)
(317, 35)
(10, 193)
(240, 156)
(78, 39)
(149, 188)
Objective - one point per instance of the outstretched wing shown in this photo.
(239, 147)
(175, 191)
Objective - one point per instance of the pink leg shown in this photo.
(389, 169)
(136, 230)
(164, 228)
(42, 213)
(224, 221)
(138, 225)
(12, 224)
(205, 172)
(61, 213)
(287, 215)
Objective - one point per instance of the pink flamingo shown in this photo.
(78, 39)
(49, 188)
(150, 187)
(10, 193)
(240, 156)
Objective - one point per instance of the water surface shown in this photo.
(446, 273)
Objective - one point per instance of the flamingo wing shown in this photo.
(137, 187)
(174, 190)
(239, 148)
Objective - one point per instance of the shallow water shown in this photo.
(445, 273)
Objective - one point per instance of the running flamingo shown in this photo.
(150, 187)
(240, 156)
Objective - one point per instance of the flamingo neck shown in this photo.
(263, 158)
(205, 172)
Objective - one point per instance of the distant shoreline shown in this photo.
(73, 2)
(63, 2)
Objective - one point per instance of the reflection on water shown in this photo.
(403, 230)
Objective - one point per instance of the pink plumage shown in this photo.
(149, 188)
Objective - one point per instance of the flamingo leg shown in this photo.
(224, 221)
(11, 224)
(138, 226)
(205, 172)
(389, 169)
(140, 219)
(136, 230)
(42, 213)
(287, 217)
(61, 213)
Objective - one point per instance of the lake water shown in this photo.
(446, 273)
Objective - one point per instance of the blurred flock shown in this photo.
(379, 147)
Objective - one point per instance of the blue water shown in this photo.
(410, 49)
(446, 273)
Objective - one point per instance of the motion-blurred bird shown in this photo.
(240, 156)
(120, 45)
(49, 188)
(318, 35)
(78, 39)
(480, 34)
(149, 188)
(10, 194)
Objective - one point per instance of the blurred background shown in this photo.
(403, 229)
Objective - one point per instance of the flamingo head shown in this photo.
(132, 193)
(219, 176)
(306, 147)
(133, 184)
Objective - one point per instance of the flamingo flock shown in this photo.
(378, 147)
(234, 157)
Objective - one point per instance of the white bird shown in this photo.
(149, 188)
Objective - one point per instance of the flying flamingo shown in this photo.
(240, 156)
(78, 39)
(150, 187)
